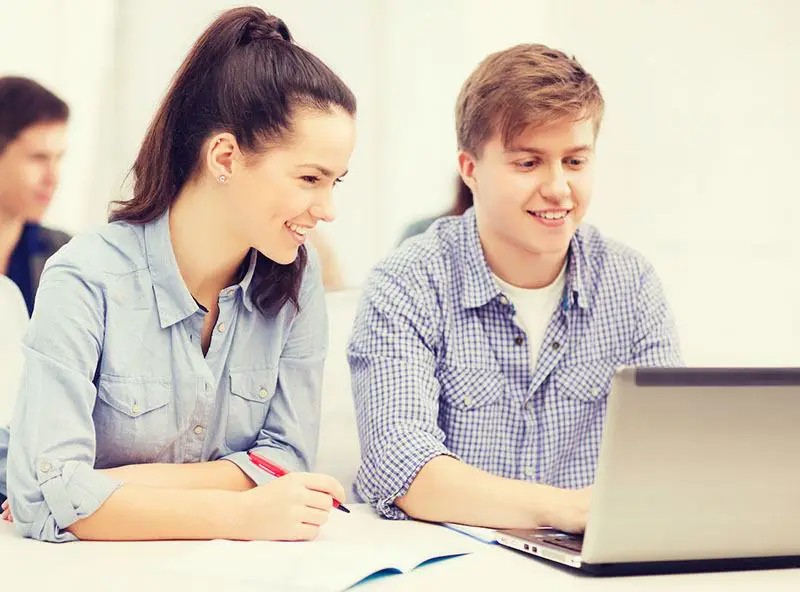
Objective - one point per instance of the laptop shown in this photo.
(699, 470)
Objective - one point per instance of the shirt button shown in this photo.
(263, 393)
(221, 328)
(555, 345)
(595, 391)
(468, 401)
(530, 471)
(228, 292)
(135, 409)
(45, 466)
(198, 429)
(519, 340)
(503, 299)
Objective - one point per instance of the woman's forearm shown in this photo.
(217, 474)
(137, 513)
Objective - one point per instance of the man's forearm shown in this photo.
(448, 490)
(218, 474)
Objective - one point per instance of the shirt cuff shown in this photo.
(403, 459)
(259, 476)
(72, 491)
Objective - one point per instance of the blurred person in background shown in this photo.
(33, 137)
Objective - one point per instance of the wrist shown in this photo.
(231, 515)
(543, 502)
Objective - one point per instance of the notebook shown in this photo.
(350, 548)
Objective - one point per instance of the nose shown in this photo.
(51, 172)
(323, 209)
(556, 186)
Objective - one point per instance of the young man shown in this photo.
(33, 130)
(483, 350)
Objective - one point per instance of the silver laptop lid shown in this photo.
(697, 464)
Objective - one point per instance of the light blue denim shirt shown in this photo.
(115, 375)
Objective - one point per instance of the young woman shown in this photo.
(192, 328)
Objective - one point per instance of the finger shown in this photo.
(318, 500)
(325, 484)
(314, 517)
(4, 506)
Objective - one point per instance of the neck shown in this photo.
(208, 256)
(10, 232)
(519, 267)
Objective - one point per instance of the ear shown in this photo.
(221, 153)
(466, 167)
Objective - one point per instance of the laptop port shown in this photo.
(527, 547)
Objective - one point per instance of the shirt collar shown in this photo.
(245, 282)
(173, 300)
(480, 287)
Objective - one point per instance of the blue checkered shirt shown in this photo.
(439, 366)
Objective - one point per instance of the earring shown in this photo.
(222, 178)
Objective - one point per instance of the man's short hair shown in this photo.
(24, 103)
(521, 87)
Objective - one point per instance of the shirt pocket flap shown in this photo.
(257, 386)
(133, 397)
(588, 382)
(471, 388)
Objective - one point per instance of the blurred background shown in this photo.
(696, 154)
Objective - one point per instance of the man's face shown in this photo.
(531, 196)
(29, 170)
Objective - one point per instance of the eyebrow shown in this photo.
(572, 150)
(322, 170)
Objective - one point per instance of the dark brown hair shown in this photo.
(521, 87)
(244, 75)
(24, 103)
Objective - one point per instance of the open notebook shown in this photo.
(350, 548)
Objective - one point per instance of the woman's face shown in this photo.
(277, 197)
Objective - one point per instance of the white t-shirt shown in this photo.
(535, 308)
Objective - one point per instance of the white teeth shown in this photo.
(301, 230)
(552, 215)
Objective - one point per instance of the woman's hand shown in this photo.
(290, 508)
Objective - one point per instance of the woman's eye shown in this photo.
(310, 179)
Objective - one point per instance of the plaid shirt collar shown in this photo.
(480, 288)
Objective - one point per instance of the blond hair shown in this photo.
(521, 87)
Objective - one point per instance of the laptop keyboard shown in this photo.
(566, 541)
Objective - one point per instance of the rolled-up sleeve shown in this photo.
(52, 482)
(396, 393)
(290, 434)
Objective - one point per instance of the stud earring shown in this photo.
(222, 178)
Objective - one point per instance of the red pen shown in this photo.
(278, 471)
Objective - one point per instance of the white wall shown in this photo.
(695, 152)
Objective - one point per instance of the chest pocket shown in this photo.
(577, 408)
(134, 420)
(587, 382)
(252, 392)
(471, 411)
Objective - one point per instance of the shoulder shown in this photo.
(425, 261)
(112, 250)
(54, 239)
(611, 264)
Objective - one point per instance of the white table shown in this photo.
(88, 566)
